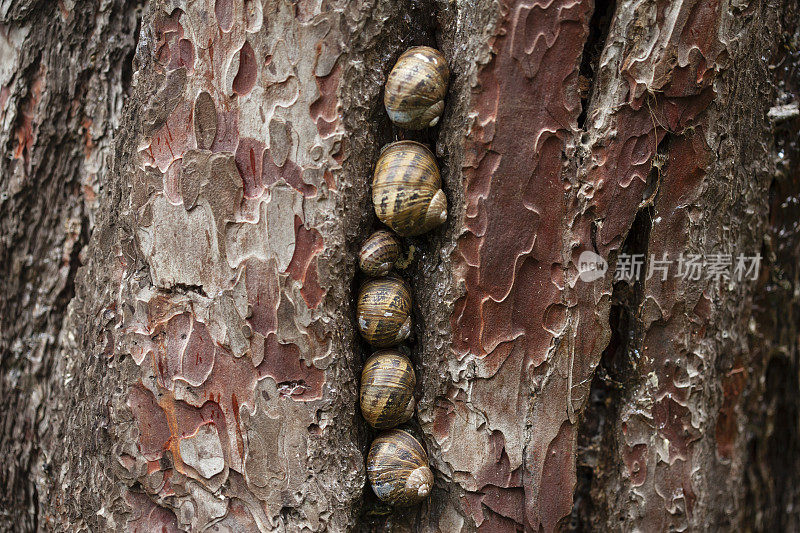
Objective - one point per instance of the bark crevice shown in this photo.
(599, 26)
(416, 25)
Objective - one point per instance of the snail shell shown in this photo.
(397, 467)
(387, 389)
(406, 189)
(416, 87)
(379, 253)
(384, 311)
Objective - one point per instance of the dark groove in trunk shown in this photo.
(599, 25)
(597, 459)
(416, 26)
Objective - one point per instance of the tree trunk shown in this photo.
(184, 189)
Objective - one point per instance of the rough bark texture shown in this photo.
(64, 69)
(200, 369)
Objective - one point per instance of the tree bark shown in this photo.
(185, 185)
(65, 70)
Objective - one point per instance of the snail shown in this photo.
(398, 470)
(387, 389)
(384, 311)
(416, 87)
(379, 253)
(406, 189)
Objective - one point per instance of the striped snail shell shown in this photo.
(384, 311)
(379, 253)
(387, 389)
(416, 87)
(397, 467)
(406, 189)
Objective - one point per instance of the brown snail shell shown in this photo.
(387, 389)
(406, 189)
(384, 311)
(416, 87)
(379, 253)
(397, 467)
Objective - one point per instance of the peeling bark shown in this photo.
(200, 369)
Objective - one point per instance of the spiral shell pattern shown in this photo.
(384, 311)
(398, 470)
(387, 389)
(416, 87)
(379, 253)
(406, 189)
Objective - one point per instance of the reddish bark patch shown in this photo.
(197, 358)
(626, 161)
(227, 137)
(263, 296)
(508, 503)
(558, 474)
(171, 141)
(503, 271)
(247, 74)
(172, 341)
(667, 484)
(324, 110)
(154, 431)
(217, 384)
(303, 266)
(147, 517)
(727, 429)
(289, 172)
(186, 55)
(294, 378)
(185, 420)
(172, 51)
(224, 12)
(330, 181)
(24, 137)
(471, 502)
(230, 385)
(444, 413)
(249, 160)
(497, 473)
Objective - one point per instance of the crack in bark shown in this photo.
(598, 448)
(185, 288)
(418, 27)
(599, 25)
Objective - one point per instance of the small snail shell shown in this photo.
(387, 389)
(406, 189)
(416, 87)
(397, 467)
(384, 311)
(379, 253)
